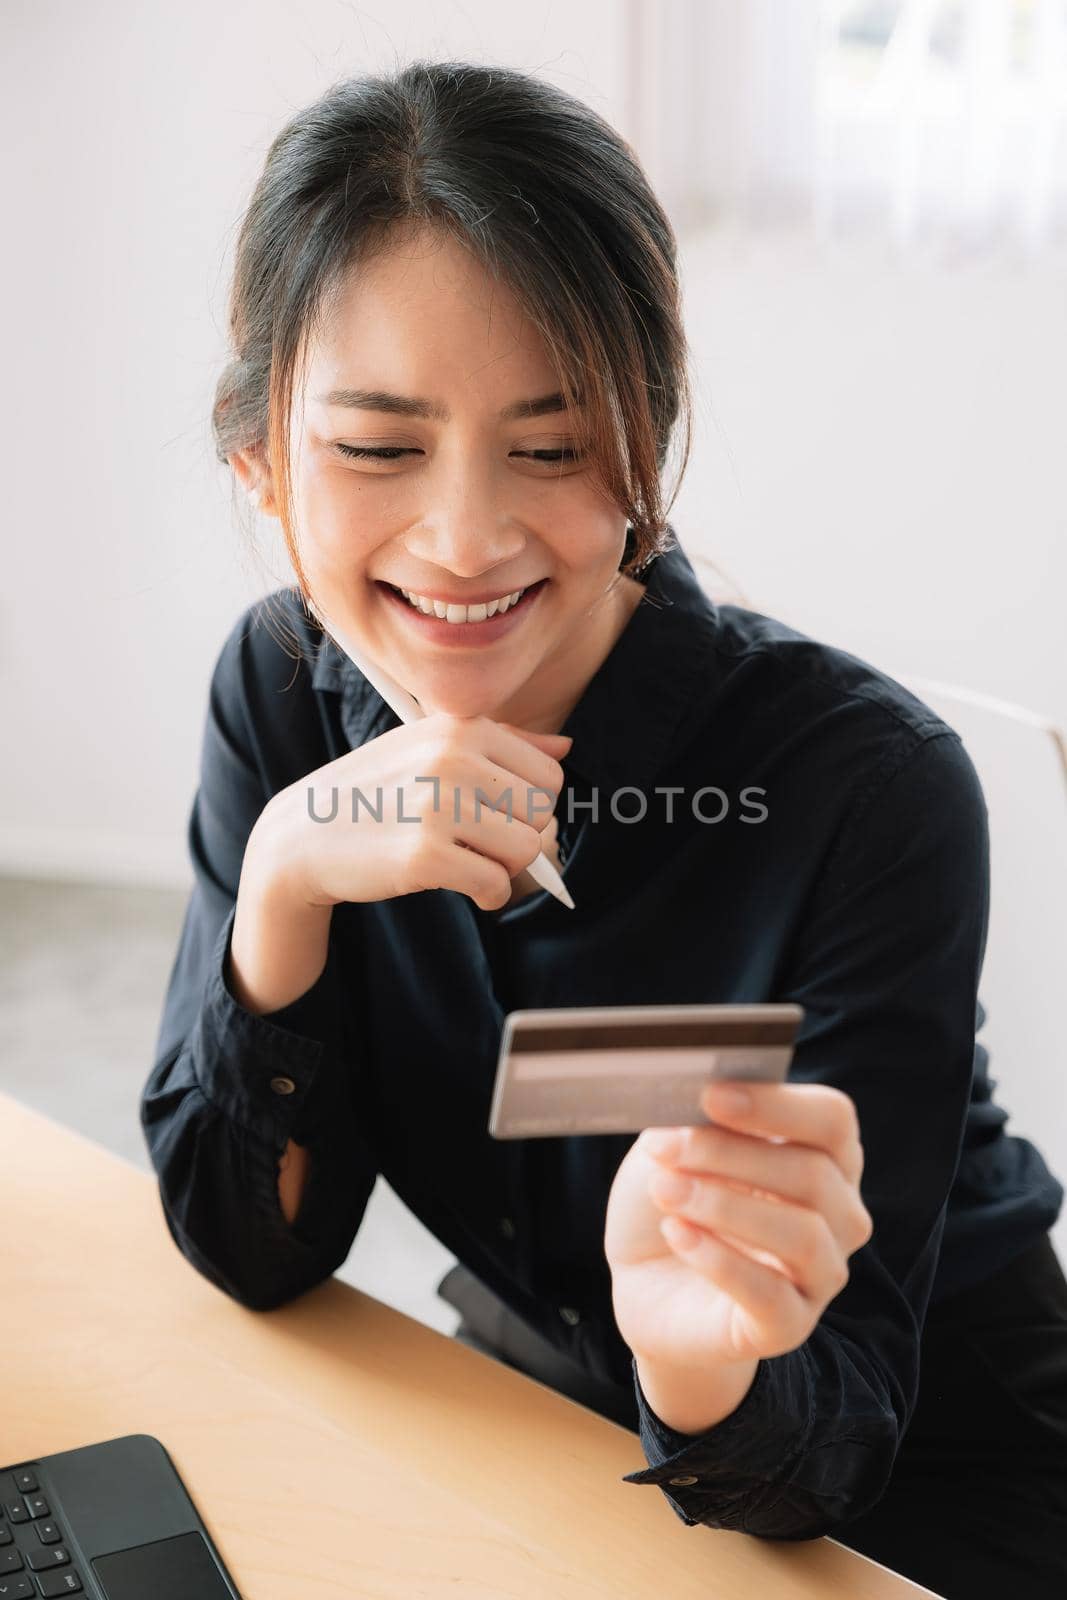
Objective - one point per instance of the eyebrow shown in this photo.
(409, 406)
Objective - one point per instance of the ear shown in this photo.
(255, 480)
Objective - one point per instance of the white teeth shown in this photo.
(452, 613)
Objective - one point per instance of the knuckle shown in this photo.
(530, 846)
(426, 758)
(789, 1302)
(850, 1118)
(835, 1285)
(773, 1294)
(865, 1227)
(713, 1201)
(812, 1242)
(794, 1315)
(841, 1113)
(451, 732)
(513, 847)
(823, 1182)
(687, 1149)
(422, 855)
(708, 1147)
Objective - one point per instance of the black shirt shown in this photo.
(828, 846)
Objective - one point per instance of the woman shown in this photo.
(458, 361)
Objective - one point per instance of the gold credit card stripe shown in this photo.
(647, 1065)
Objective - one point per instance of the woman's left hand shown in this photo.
(743, 1265)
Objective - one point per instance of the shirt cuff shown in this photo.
(745, 1454)
(262, 1071)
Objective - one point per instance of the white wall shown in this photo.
(882, 453)
(876, 455)
(131, 138)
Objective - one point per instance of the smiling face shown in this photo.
(473, 499)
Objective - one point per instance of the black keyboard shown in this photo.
(34, 1561)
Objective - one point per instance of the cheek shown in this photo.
(585, 528)
(340, 527)
(587, 543)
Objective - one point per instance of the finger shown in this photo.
(814, 1114)
(510, 841)
(800, 1239)
(513, 796)
(457, 866)
(531, 733)
(556, 739)
(788, 1172)
(767, 1298)
(540, 777)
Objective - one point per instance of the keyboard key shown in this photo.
(6, 1536)
(43, 1560)
(53, 1555)
(17, 1588)
(60, 1583)
(48, 1533)
(25, 1481)
(36, 1505)
(16, 1511)
(10, 1561)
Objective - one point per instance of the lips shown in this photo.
(496, 600)
(440, 631)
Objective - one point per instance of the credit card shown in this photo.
(619, 1069)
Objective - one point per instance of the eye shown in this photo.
(551, 457)
(384, 453)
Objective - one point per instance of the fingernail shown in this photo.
(660, 1142)
(721, 1097)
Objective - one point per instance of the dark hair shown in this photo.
(540, 188)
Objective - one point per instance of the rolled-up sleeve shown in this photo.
(886, 962)
(229, 1088)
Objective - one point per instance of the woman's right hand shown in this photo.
(325, 857)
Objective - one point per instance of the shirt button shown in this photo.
(282, 1085)
(507, 1227)
(570, 1316)
(682, 1483)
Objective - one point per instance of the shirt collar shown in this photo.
(632, 708)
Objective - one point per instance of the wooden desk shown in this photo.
(335, 1447)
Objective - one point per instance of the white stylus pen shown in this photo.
(408, 709)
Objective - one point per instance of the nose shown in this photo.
(467, 534)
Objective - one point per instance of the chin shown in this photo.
(459, 705)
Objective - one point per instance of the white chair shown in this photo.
(1021, 760)
(400, 1262)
